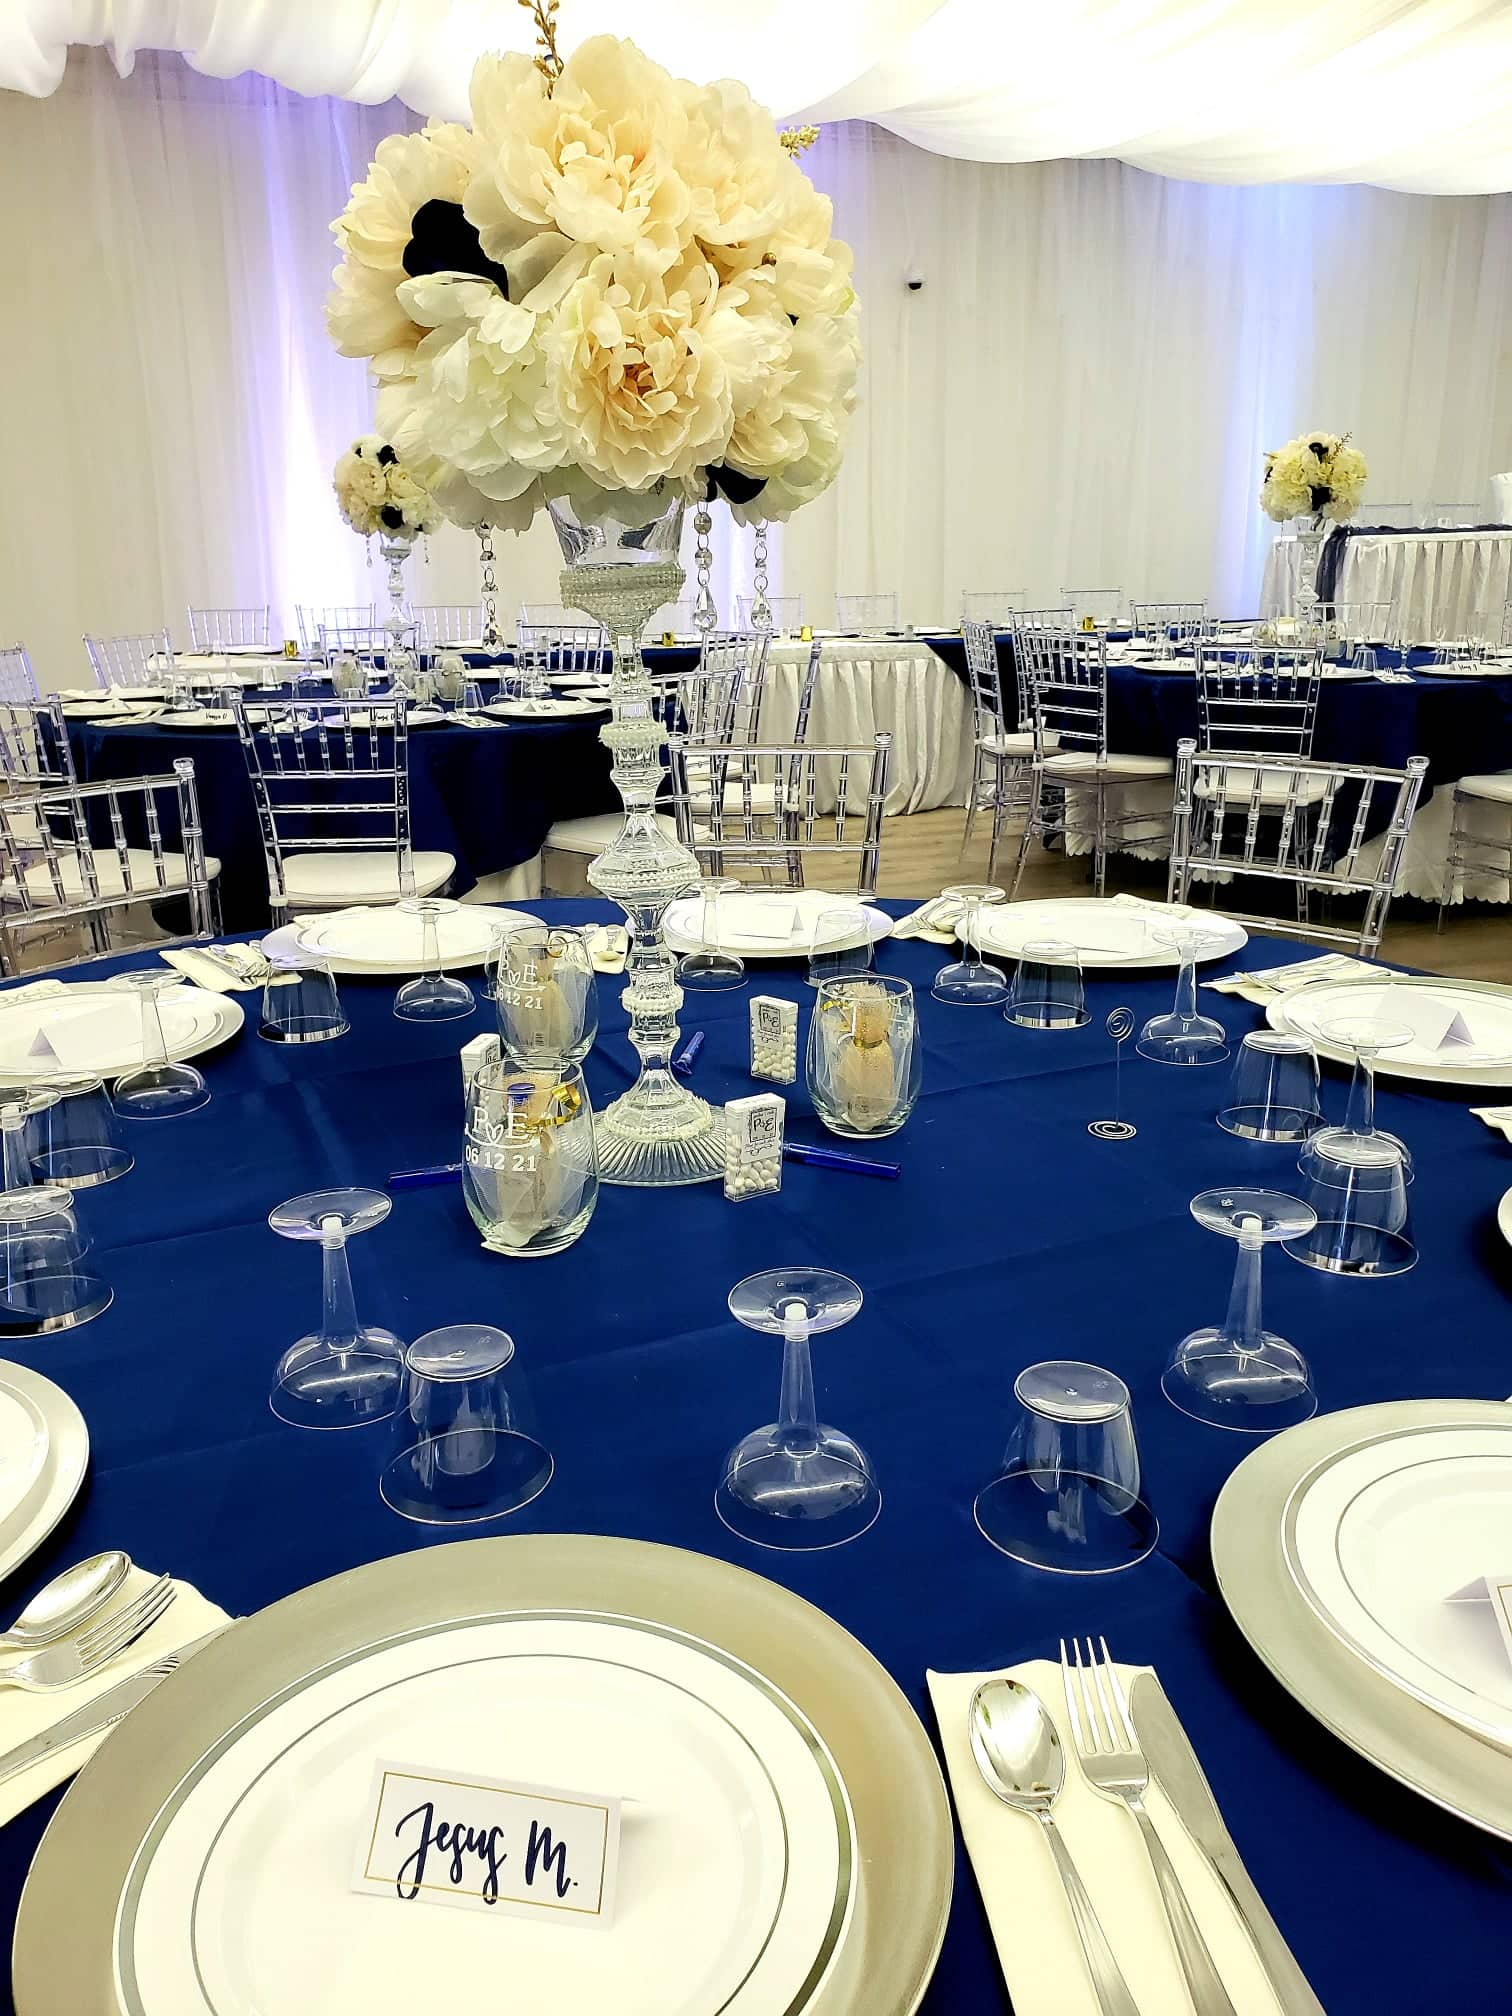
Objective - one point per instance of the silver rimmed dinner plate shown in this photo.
(1104, 931)
(1385, 1542)
(1504, 1216)
(382, 939)
(562, 708)
(768, 924)
(1376, 1717)
(161, 1857)
(193, 1019)
(44, 1452)
(1303, 1010)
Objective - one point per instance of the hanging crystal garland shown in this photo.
(491, 639)
(705, 615)
(761, 609)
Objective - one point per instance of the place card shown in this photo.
(768, 919)
(1497, 1591)
(488, 1844)
(78, 1041)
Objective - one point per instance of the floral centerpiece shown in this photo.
(377, 493)
(615, 295)
(1316, 476)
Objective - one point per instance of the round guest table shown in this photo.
(1012, 1236)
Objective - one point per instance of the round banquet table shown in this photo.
(1011, 1236)
(486, 796)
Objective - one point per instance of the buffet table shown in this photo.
(1012, 1236)
(1444, 584)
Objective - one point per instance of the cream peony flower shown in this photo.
(818, 397)
(643, 373)
(1315, 473)
(364, 315)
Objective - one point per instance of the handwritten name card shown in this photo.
(486, 1844)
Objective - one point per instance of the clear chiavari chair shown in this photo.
(1400, 516)
(362, 641)
(1002, 758)
(1066, 674)
(720, 703)
(1350, 622)
(1452, 517)
(1164, 625)
(550, 615)
(75, 859)
(1309, 827)
(825, 803)
(211, 630)
(675, 619)
(1506, 626)
(18, 682)
(34, 747)
(313, 617)
(140, 658)
(994, 606)
(1258, 699)
(439, 624)
(1101, 604)
(541, 649)
(787, 613)
(857, 614)
(331, 783)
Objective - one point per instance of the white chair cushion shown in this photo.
(339, 878)
(1497, 785)
(1020, 743)
(1274, 787)
(1083, 763)
(140, 877)
(592, 835)
(761, 797)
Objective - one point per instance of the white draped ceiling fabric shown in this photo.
(1407, 94)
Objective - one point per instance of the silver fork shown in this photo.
(66, 1665)
(1113, 1764)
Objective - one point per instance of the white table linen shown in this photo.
(878, 685)
(1444, 584)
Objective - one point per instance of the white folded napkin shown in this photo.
(1499, 1117)
(22, 1716)
(205, 969)
(1032, 1927)
(934, 921)
(608, 947)
(1266, 982)
(36, 990)
(1181, 913)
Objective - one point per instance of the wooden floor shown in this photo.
(922, 854)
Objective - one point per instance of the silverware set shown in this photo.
(1021, 1757)
(56, 1666)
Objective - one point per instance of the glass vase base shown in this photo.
(1255, 1392)
(628, 1154)
(797, 1501)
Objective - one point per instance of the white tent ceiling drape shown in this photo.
(1408, 94)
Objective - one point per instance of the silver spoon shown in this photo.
(68, 1601)
(1019, 1755)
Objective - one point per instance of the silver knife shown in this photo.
(1174, 1763)
(102, 1713)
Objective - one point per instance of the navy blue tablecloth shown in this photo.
(486, 796)
(1012, 1236)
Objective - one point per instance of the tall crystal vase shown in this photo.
(620, 568)
(1311, 533)
(396, 548)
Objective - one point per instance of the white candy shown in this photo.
(774, 1039)
(753, 1146)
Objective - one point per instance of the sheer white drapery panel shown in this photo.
(1412, 96)
(1080, 390)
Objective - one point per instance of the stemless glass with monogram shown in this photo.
(545, 994)
(529, 1162)
(864, 1061)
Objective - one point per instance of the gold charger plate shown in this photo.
(65, 1930)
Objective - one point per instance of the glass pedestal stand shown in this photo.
(397, 660)
(659, 1132)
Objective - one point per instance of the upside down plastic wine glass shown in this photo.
(43, 1287)
(433, 997)
(1237, 1374)
(796, 1483)
(1048, 990)
(1274, 1093)
(709, 968)
(1183, 1036)
(463, 1447)
(1363, 1037)
(971, 981)
(72, 1137)
(157, 1090)
(347, 1372)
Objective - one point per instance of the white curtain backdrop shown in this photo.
(1077, 395)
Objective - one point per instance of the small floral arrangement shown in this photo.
(614, 282)
(377, 493)
(1317, 475)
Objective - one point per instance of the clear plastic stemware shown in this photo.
(797, 1484)
(347, 1373)
(1183, 1036)
(1237, 1374)
(841, 947)
(710, 968)
(970, 981)
(1048, 990)
(72, 1137)
(1274, 1092)
(1357, 1184)
(433, 996)
(300, 1003)
(43, 1288)
(1364, 1037)
(157, 1090)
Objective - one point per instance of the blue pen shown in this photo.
(416, 1179)
(836, 1158)
(683, 1062)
